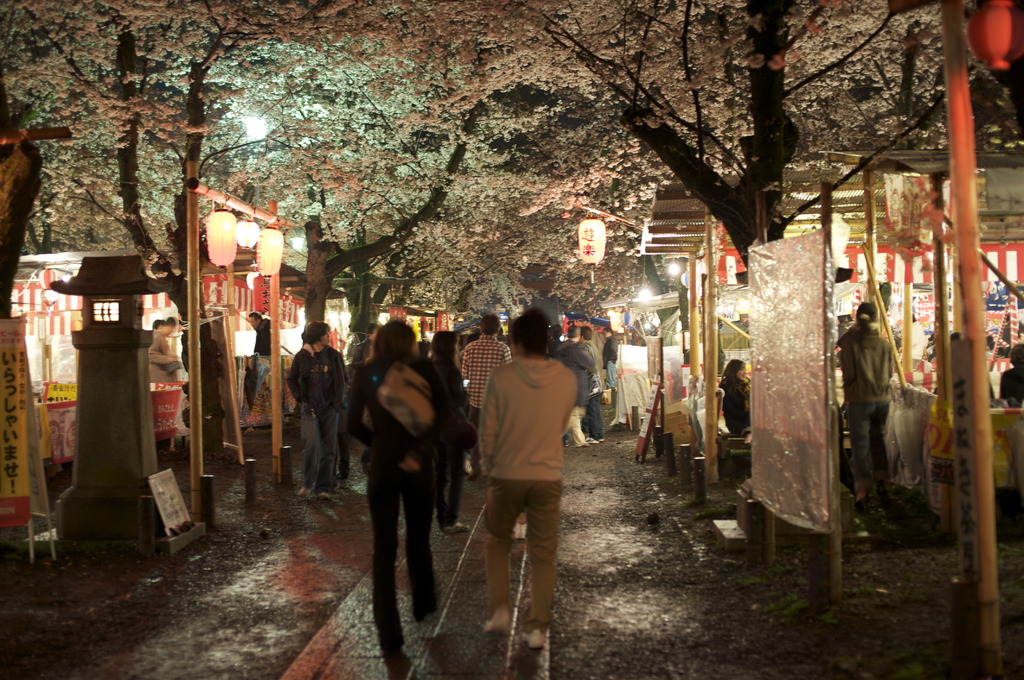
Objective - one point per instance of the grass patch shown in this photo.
(717, 512)
(905, 521)
(788, 607)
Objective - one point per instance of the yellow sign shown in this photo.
(61, 392)
(14, 396)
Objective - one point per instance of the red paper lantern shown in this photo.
(247, 233)
(996, 33)
(220, 237)
(269, 251)
(591, 239)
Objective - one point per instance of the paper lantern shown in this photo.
(247, 233)
(996, 33)
(591, 238)
(220, 237)
(268, 251)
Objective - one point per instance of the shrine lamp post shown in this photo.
(115, 448)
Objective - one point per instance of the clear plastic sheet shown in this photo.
(792, 328)
(905, 442)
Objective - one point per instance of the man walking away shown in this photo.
(524, 414)
(866, 359)
(580, 363)
(610, 359)
(593, 424)
(478, 360)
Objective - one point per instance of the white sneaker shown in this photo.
(592, 441)
(535, 639)
(500, 622)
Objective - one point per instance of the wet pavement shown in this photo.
(282, 589)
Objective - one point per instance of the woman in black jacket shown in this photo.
(451, 450)
(393, 478)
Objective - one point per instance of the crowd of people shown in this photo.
(503, 407)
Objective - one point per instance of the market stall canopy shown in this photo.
(676, 226)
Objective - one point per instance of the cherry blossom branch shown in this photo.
(842, 60)
(865, 161)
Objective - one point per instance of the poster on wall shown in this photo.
(62, 417)
(14, 426)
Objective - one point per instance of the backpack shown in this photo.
(406, 395)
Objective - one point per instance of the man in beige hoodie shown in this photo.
(525, 411)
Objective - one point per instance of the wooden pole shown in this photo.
(711, 353)
(945, 383)
(870, 250)
(883, 319)
(229, 327)
(695, 326)
(964, 196)
(195, 376)
(275, 367)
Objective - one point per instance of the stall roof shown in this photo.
(676, 222)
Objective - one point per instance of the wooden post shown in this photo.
(963, 164)
(695, 326)
(275, 366)
(229, 329)
(195, 376)
(869, 258)
(942, 367)
(711, 353)
(250, 481)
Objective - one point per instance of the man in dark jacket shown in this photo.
(255, 370)
(578, 360)
(1011, 384)
(610, 357)
(317, 381)
(866, 359)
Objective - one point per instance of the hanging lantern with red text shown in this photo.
(591, 238)
(247, 233)
(220, 237)
(996, 33)
(269, 250)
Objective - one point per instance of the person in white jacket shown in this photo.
(524, 413)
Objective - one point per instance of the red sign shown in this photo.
(261, 294)
(396, 313)
(166, 407)
(444, 321)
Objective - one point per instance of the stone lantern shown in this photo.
(115, 450)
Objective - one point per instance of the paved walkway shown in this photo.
(450, 643)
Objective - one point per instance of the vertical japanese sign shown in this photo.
(444, 321)
(261, 294)
(963, 460)
(14, 420)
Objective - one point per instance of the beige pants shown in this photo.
(541, 500)
(575, 428)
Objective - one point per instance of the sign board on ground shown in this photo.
(169, 501)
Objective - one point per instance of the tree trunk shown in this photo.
(318, 283)
(20, 168)
(210, 359)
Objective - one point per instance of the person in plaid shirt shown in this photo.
(478, 360)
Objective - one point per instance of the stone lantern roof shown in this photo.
(114, 275)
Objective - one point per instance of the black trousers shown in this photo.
(386, 488)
